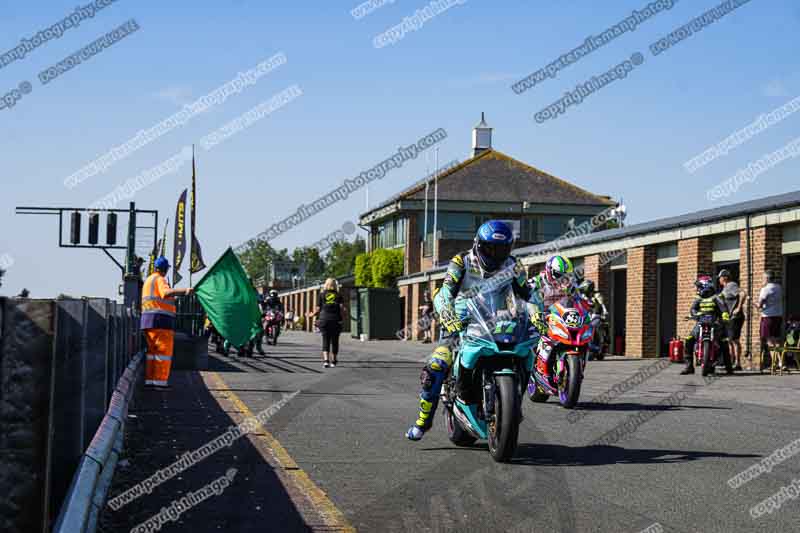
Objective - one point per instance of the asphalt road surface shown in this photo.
(655, 456)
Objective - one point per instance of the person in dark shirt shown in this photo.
(331, 312)
(708, 303)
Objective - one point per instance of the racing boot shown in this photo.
(431, 380)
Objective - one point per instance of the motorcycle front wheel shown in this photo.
(504, 422)
(569, 386)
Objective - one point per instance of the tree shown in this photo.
(341, 259)
(24, 293)
(257, 258)
(315, 265)
(2, 272)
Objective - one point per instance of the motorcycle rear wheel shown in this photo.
(708, 363)
(504, 424)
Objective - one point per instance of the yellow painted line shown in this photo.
(330, 514)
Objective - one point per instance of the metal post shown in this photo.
(130, 265)
(749, 310)
(425, 225)
(131, 279)
(436, 210)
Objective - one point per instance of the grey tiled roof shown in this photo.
(493, 176)
(707, 216)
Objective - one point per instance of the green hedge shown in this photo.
(379, 269)
(363, 270)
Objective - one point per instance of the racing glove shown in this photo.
(538, 322)
(450, 320)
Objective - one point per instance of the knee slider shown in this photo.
(426, 379)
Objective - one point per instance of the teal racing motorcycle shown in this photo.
(495, 354)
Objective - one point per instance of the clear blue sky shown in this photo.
(359, 103)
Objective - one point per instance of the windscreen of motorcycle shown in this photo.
(498, 315)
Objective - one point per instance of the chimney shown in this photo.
(481, 137)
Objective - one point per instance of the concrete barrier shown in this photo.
(60, 364)
(88, 490)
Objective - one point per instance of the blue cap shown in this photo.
(162, 263)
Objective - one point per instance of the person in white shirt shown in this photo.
(770, 302)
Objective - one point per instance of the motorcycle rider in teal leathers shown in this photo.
(488, 262)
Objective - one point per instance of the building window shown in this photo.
(400, 233)
(553, 226)
(725, 248)
(480, 219)
(529, 230)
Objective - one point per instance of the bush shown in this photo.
(380, 268)
(363, 271)
(387, 266)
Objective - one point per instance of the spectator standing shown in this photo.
(770, 302)
(331, 312)
(426, 316)
(736, 301)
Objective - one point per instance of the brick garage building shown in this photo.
(647, 271)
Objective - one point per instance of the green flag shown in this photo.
(230, 300)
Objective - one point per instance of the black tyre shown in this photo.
(708, 364)
(457, 435)
(504, 423)
(569, 390)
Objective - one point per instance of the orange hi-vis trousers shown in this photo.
(159, 356)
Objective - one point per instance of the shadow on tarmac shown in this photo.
(629, 406)
(558, 455)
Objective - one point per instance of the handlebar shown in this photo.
(698, 318)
